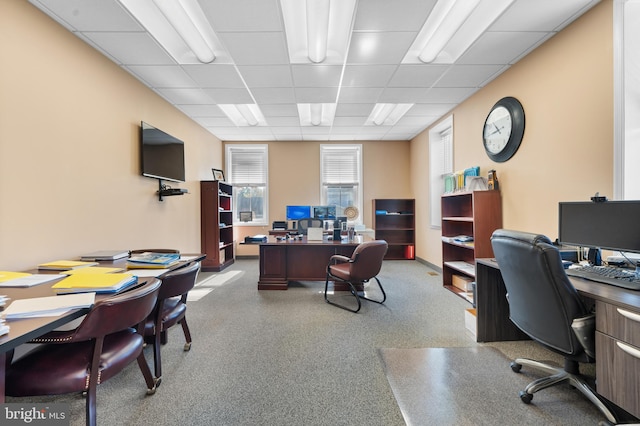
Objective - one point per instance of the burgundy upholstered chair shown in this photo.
(171, 309)
(363, 265)
(78, 360)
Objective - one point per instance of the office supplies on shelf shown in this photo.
(29, 280)
(105, 255)
(93, 270)
(48, 306)
(99, 283)
(63, 265)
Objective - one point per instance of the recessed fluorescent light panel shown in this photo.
(244, 115)
(317, 31)
(451, 28)
(387, 114)
(180, 27)
(316, 114)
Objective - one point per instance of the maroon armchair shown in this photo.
(170, 309)
(79, 360)
(363, 265)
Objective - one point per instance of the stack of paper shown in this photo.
(48, 306)
(63, 265)
(99, 283)
(153, 260)
(24, 279)
(105, 255)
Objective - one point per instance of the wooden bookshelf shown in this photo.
(216, 225)
(394, 222)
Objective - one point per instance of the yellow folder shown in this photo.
(100, 283)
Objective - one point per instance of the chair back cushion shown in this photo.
(119, 312)
(179, 282)
(304, 224)
(366, 260)
(542, 300)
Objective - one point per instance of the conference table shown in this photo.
(284, 260)
(23, 330)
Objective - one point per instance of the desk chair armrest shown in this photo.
(338, 258)
(584, 329)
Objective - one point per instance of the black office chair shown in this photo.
(544, 304)
(310, 222)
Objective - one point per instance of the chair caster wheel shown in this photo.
(515, 367)
(152, 390)
(187, 346)
(526, 397)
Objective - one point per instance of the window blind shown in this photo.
(340, 164)
(248, 165)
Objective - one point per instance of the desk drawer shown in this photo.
(620, 323)
(617, 364)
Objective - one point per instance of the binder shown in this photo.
(99, 283)
(63, 265)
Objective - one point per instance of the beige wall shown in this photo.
(566, 89)
(294, 178)
(69, 158)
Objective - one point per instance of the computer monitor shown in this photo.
(611, 225)
(298, 212)
(324, 212)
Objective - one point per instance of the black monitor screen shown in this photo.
(612, 225)
(162, 155)
(324, 212)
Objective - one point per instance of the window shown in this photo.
(247, 167)
(440, 164)
(341, 177)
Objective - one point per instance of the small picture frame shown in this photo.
(218, 174)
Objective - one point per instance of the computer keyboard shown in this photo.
(618, 277)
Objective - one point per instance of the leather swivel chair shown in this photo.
(363, 265)
(305, 224)
(544, 304)
(78, 360)
(170, 309)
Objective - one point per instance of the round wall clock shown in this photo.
(503, 129)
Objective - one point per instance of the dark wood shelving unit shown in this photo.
(216, 225)
(476, 214)
(394, 221)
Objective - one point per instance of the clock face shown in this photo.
(497, 130)
(503, 129)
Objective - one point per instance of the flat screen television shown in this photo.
(298, 212)
(612, 225)
(161, 155)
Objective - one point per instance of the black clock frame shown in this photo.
(515, 109)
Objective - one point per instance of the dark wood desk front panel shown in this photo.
(298, 260)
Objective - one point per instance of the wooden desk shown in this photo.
(298, 260)
(617, 330)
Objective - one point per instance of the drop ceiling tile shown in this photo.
(277, 95)
(541, 15)
(403, 95)
(256, 48)
(215, 75)
(448, 95)
(229, 96)
(90, 15)
(316, 95)
(266, 75)
(316, 75)
(367, 75)
(279, 110)
(500, 47)
(243, 15)
(422, 75)
(349, 121)
(379, 47)
(131, 48)
(396, 15)
(276, 122)
(468, 75)
(431, 109)
(185, 96)
(360, 95)
(166, 76)
(354, 109)
(214, 122)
